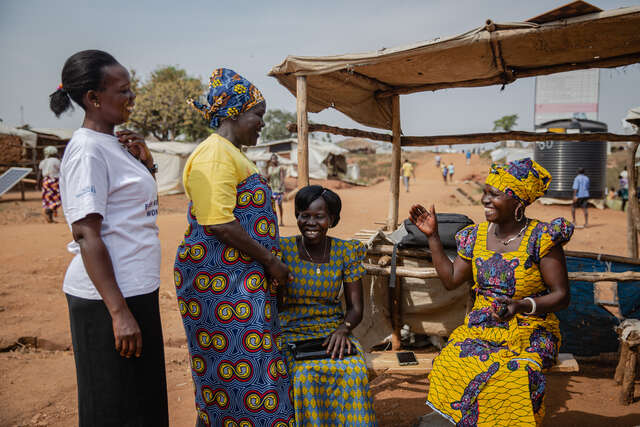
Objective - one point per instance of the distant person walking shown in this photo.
(445, 170)
(276, 175)
(438, 160)
(50, 182)
(467, 156)
(407, 172)
(451, 171)
(581, 196)
(623, 190)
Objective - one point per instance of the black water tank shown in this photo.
(563, 159)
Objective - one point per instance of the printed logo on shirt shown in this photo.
(151, 208)
(89, 189)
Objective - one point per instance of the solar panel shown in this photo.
(11, 178)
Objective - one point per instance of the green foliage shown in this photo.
(275, 125)
(505, 123)
(161, 109)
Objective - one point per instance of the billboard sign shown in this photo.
(567, 95)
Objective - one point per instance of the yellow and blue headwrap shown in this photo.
(524, 180)
(229, 95)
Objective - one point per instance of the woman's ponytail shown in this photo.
(59, 101)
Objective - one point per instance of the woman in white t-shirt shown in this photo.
(49, 181)
(110, 201)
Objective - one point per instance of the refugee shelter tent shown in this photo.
(170, 156)
(325, 158)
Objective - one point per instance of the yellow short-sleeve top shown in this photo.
(210, 177)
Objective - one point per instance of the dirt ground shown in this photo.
(38, 384)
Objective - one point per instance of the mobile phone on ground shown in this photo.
(406, 358)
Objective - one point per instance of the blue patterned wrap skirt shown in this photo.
(230, 318)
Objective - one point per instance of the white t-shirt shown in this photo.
(98, 175)
(50, 167)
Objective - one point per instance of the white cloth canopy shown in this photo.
(170, 157)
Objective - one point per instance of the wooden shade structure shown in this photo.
(366, 86)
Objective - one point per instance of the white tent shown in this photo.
(170, 157)
(319, 153)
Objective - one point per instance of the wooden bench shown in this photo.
(386, 362)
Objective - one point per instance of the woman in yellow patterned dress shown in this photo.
(490, 371)
(332, 391)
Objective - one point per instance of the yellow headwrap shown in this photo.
(524, 180)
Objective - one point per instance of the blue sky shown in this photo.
(36, 37)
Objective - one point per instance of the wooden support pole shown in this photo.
(396, 152)
(396, 315)
(585, 276)
(426, 254)
(418, 273)
(624, 353)
(629, 378)
(633, 211)
(430, 272)
(469, 138)
(303, 132)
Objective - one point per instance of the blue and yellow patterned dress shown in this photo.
(227, 306)
(326, 392)
(490, 372)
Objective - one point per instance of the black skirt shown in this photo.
(114, 390)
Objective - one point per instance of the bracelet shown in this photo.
(533, 305)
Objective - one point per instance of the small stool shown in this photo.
(627, 369)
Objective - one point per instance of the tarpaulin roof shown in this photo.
(28, 138)
(62, 134)
(360, 85)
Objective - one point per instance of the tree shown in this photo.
(275, 125)
(505, 123)
(161, 109)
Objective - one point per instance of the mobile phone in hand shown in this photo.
(406, 358)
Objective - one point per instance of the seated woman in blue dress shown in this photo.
(333, 390)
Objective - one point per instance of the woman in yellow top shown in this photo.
(224, 265)
(490, 371)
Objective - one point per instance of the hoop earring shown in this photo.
(517, 217)
(234, 117)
